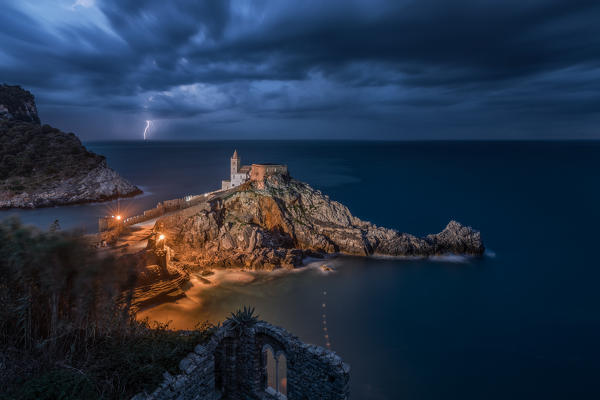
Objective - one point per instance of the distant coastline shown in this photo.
(40, 166)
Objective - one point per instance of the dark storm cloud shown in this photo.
(425, 65)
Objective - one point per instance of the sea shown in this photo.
(521, 322)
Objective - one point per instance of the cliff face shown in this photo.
(275, 223)
(42, 166)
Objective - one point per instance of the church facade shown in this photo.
(242, 173)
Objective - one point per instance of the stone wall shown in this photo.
(162, 208)
(231, 365)
(260, 171)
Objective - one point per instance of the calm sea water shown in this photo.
(521, 323)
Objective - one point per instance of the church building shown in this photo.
(242, 173)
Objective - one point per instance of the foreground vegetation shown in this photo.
(66, 331)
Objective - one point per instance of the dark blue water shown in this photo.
(521, 323)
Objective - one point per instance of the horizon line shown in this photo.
(342, 140)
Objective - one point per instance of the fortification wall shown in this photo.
(232, 365)
(258, 172)
(105, 223)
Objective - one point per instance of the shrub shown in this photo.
(55, 286)
(57, 384)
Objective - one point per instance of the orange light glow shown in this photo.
(119, 217)
(161, 237)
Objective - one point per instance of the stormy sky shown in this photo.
(339, 69)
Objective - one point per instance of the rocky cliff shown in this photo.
(277, 222)
(42, 166)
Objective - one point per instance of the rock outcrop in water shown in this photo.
(41, 166)
(277, 222)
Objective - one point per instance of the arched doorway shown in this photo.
(275, 366)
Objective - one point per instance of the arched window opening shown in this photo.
(271, 366)
(282, 374)
(276, 373)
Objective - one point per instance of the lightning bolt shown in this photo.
(148, 125)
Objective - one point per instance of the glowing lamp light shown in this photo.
(118, 217)
(161, 237)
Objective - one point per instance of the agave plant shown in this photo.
(242, 318)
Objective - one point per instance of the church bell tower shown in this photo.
(235, 163)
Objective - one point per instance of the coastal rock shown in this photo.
(278, 221)
(100, 184)
(41, 166)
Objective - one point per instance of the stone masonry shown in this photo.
(232, 365)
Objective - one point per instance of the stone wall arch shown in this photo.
(230, 365)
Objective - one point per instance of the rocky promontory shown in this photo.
(41, 166)
(279, 221)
